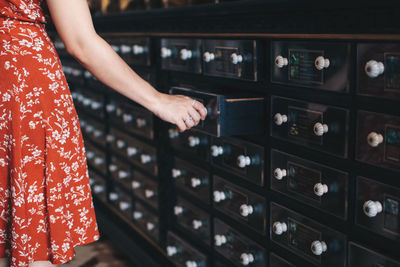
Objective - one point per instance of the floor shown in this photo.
(102, 253)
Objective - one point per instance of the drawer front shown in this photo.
(323, 66)
(276, 261)
(239, 158)
(146, 220)
(89, 101)
(316, 243)
(138, 120)
(378, 139)
(377, 207)
(121, 200)
(317, 126)
(74, 72)
(96, 158)
(311, 183)
(134, 50)
(182, 254)
(240, 204)
(230, 59)
(145, 188)
(193, 219)
(192, 142)
(227, 114)
(181, 55)
(120, 172)
(361, 256)
(233, 245)
(378, 70)
(191, 179)
(93, 130)
(137, 152)
(131, 117)
(98, 185)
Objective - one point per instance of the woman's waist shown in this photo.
(12, 26)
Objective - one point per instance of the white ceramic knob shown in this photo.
(138, 49)
(279, 173)
(186, 54)
(137, 215)
(246, 210)
(320, 129)
(98, 189)
(220, 240)
(280, 61)
(150, 226)
(136, 184)
(176, 173)
(280, 119)
(321, 63)
(125, 49)
(98, 161)
(87, 101)
(123, 174)
(76, 72)
(173, 133)
(110, 108)
(236, 58)
(96, 105)
(243, 161)
(110, 138)
(149, 193)
(195, 182)
(372, 208)
(318, 247)
(178, 210)
(171, 250)
(219, 196)
(145, 158)
(132, 151)
(246, 259)
(140, 123)
(97, 133)
(193, 141)
(374, 68)
(116, 48)
(121, 143)
(123, 205)
(320, 189)
(127, 117)
(216, 151)
(90, 154)
(89, 128)
(374, 139)
(112, 167)
(279, 228)
(113, 196)
(166, 52)
(87, 74)
(191, 264)
(208, 57)
(197, 224)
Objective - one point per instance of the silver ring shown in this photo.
(194, 101)
(188, 119)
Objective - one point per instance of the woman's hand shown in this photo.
(180, 110)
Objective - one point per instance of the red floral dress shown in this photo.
(46, 203)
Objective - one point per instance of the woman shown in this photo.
(46, 204)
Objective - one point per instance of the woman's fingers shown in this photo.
(195, 115)
(200, 108)
(181, 125)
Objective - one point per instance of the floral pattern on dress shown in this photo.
(46, 206)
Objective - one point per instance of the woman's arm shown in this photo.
(74, 26)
